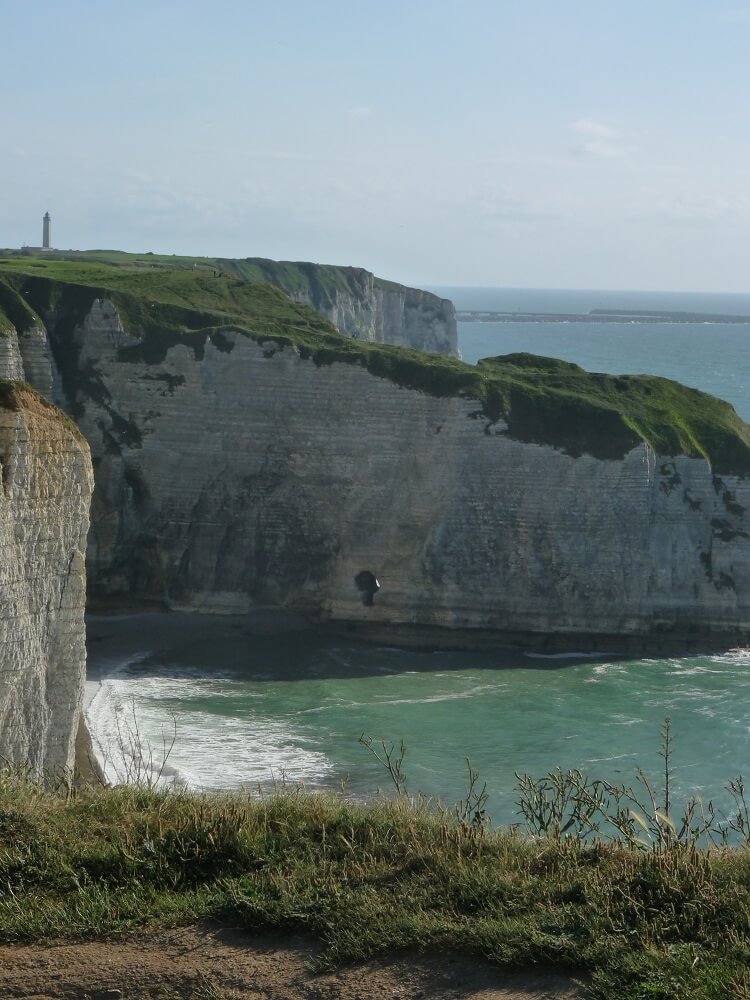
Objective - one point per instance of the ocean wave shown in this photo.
(738, 656)
(566, 656)
(252, 752)
(602, 760)
(610, 668)
(432, 698)
(390, 699)
(134, 739)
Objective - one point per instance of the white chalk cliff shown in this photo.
(45, 490)
(235, 468)
(359, 304)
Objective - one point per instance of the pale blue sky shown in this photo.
(579, 144)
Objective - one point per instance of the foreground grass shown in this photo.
(373, 879)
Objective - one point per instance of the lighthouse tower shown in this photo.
(45, 231)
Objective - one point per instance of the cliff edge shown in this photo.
(358, 303)
(248, 454)
(45, 490)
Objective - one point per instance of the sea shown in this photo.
(250, 703)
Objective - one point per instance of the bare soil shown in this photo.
(208, 963)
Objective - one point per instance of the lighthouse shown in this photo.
(45, 231)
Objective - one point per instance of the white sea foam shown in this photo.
(432, 698)
(610, 668)
(132, 735)
(302, 724)
(238, 752)
(566, 656)
(739, 656)
(103, 705)
(685, 670)
(601, 760)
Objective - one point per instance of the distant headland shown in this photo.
(599, 316)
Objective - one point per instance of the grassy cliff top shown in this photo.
(320, 282)
(367, 881)
(202, 290)
(542, 400)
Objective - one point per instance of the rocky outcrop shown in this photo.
(45, 490)
(26, 357)
(262, 479)
(399, 495)
(359, 304)
(11, 362)
(391, 314)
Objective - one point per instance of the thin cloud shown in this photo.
(595, 130)
(708, 210)
(600, 140)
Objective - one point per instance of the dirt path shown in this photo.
(211, 964)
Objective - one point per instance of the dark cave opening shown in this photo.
(368, 586)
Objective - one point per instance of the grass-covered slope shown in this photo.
(318, 282)
(15, 313)
(542, 400)
(373, 880)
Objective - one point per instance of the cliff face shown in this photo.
(254, 476)
(265, 479)
(359, 304)
(46, 484)
(236, 467)
(27, 357)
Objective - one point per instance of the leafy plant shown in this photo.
(569, 805)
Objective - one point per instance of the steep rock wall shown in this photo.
(11, 362)
(26, 356)
(405, 317)
(360, 305)
(243, 473)
(45, 490)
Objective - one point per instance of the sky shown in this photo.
(509, 143)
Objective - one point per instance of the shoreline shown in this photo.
(269, 621)
(253, 703)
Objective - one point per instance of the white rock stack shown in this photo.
(46, 483)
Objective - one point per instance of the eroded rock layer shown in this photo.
(251, 475)
(361, 305)
(45, 490)
(396, 492)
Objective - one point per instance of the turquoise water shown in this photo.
(252, 709)
(713, 357)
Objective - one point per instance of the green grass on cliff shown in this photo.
(320, 282)
(15, 312)
(541, 400)
(369, 880)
